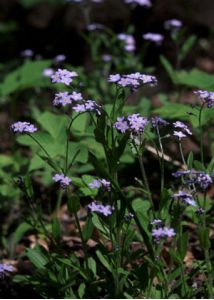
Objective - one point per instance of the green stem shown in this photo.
(182, 155)
(201, 133)
(84, 246)
(207, 257)
(67, 144)
(162, 159)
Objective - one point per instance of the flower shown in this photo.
(184, 130)
(134, 123)
(185, 197)
(62, 180)
(162, 232)
(128, 40)
(106, 57)
(153, 37)
(63, 76)
(76, 96)
(121, 125)
(48, 72)
(27, 53)
(95, 26)
(4, 268)
(206, 97)
(105, 210)
(137, 123)
(157, 121)
(62, 98)
(89, 105)
(21, 127)
(157, 222)
(97, 183)
(146, 3)
(114, 78)
(60, 58)
(198, 178)
(133, 80)
(173, 24)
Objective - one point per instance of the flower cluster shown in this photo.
(181, 130)
(206, 97)
(134, 80)
(146, 3)
(153, 37)
(63, 76)
(97, 183)
(105, 210)
(23, 127)
(63, 180)
(27, 53)
(198, 178)
(48, 72)
(134, 123)
(64, 98)
(128, 40)
(89, 105)
(185, 197)
(4, 268)
(162, 232)
(59, 58)
(95, 26)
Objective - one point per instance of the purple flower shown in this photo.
(133, 80)
(4, 268)
(199, 178)
(89, 105)
(79, 108)
(137, 123)
(62, 98)
(173, 24)
(185, 197)
(27, 53)
(184, 130)
(63, 180)
(206, 97)
(97, 183)
(121, 125)
(23, 127)
(114, 78)
(63, 76)
(76, 96)
(203, 180)
(105, 210)
(60, 58)
(146, 3)
(153, 37)
(48, 72)
(157, 121)
(128, 40)
(157, 222)
(95, 26)
(162, 232)
(106, 57)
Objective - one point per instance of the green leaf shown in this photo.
(190, 160)
(73, 203)
(204, 238)
(81, 290)
(28, 75)
(104, 261)
(168, 67)
(88, 229)
(54, 124)
(186, 47)
(92, 266)
(183, 245)
(174, 111)
(56, 229)
(196, 79)
(38, 259)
